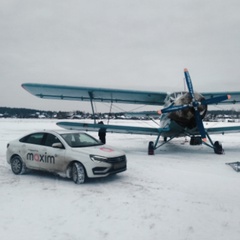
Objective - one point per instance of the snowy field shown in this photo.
(182, 192)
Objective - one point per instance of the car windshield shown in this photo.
(76, 140)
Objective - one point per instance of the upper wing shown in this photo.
(235, 96)
(96, 94)
(112, 128)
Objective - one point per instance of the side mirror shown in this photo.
(57, 145)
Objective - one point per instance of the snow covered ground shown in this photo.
(182, 192)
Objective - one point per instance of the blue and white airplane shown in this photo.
(181, 116)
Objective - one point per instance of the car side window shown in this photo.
(35, 138)
(50, 140)
(80, 140)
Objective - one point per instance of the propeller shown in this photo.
(215, 100)
(195, 105)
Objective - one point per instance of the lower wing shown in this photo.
(112, 128)
(223, 130)
(92, 127)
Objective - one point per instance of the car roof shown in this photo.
(58, 131)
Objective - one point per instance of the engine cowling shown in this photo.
(186, 117)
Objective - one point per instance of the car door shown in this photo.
(54, 157)
(32, 150)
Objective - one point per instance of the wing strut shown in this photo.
(110, 112)
(91, 100)
(164, 142)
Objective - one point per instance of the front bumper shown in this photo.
(117, 165)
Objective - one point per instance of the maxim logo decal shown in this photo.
(41, 158)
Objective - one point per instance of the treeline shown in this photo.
(28, 113)
(7, 112)
(224, 112)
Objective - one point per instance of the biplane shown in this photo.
(182, 113)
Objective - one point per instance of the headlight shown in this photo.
(97, 158)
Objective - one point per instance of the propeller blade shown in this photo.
(195, 104)
(200, 125)
(215, 100)
(189, 83)
(173, 108)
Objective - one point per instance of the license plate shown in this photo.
(119, 165)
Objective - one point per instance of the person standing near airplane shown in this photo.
(102, 133)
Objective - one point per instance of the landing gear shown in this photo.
(218, 149)
(151, 148)
(217, 146)
(195, 140)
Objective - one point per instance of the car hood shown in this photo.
(100, 150)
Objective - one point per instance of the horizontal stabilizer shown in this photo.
(111, 128)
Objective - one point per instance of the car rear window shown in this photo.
(35, 138)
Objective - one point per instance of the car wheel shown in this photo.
(17, 165)
(78, 173)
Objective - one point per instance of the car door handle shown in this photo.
(32, 150)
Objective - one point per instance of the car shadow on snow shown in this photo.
(36, 175)
(108, 179)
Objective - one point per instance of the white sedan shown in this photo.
(75, 155)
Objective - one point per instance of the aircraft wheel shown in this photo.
(218, 149)
(78, 173)
(17, 165)
(151, 148)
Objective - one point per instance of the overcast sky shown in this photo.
(127, 44)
